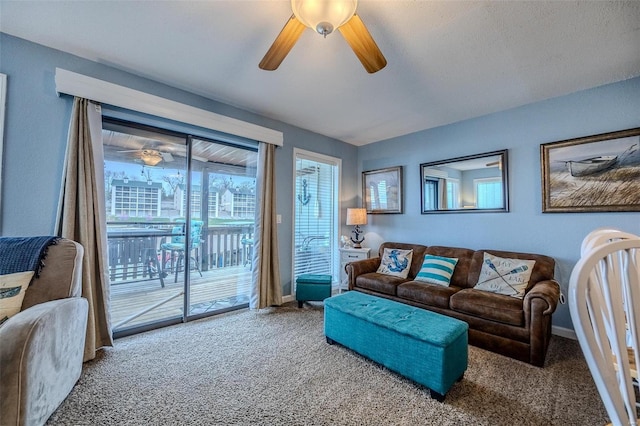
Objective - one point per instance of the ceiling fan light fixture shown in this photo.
(150, 158)
(324, 16)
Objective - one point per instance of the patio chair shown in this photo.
(177, 246)
(312, 255)
(247, 250)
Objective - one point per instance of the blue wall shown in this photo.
(36, 131)
(521, 131)
(36, 127)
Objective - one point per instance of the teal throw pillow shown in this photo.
(437, 270)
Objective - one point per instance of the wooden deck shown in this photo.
(217, 289)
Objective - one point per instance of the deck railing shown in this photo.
(135, 254)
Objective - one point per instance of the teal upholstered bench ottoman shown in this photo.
(312, 287)
(428, 348)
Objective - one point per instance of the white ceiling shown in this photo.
(447, 60)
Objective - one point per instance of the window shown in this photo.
(430, 194)
(135, 199)
(489, 193)
(453, 193)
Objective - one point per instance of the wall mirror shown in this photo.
(475, 183)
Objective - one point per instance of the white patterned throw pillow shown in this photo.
(505, 276)
(396, 262)
(437, 269)
(12, 288)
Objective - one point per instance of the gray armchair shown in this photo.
(42, 346)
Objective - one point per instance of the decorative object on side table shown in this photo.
(592, 174)
(357, 217)
(345, 241)
(382, 190)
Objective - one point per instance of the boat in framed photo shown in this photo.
(592, 165)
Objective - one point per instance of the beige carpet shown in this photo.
(274, 367)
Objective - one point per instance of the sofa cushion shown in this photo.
(505, 276)
(381, 283)
(437, 269)
(490, 306)
(427, 294)
(12, 290)
(461, 271)
(395, 262)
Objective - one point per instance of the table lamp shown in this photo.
(357, 217)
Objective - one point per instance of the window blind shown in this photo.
(315, 208)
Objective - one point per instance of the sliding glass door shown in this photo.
(223, 204)
(180, 216)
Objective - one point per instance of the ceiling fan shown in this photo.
(325, 16)
(494, 164)
(151, 157)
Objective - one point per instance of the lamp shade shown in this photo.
(316, 14)
(356, 216)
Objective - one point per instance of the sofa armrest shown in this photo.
(548, 291)
(539, 303)
(41, 356)
(354, 269)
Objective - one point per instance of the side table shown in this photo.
(348, 255)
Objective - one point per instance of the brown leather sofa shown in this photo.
(518, 328)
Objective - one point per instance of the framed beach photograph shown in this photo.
(599, 173)
(382, 190)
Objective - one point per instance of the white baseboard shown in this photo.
(563, 332)
(286, 299)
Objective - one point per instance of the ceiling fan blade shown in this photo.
(363, 44)
(167, 157)
(282, 45)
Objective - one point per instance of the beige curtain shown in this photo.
(442, 191)
(81, 217)
(267, 288)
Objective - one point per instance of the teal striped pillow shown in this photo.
(437, 270)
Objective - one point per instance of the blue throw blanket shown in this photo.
(20, 254)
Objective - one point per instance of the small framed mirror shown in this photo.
(475, 183)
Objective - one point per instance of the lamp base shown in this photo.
(357, 240)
